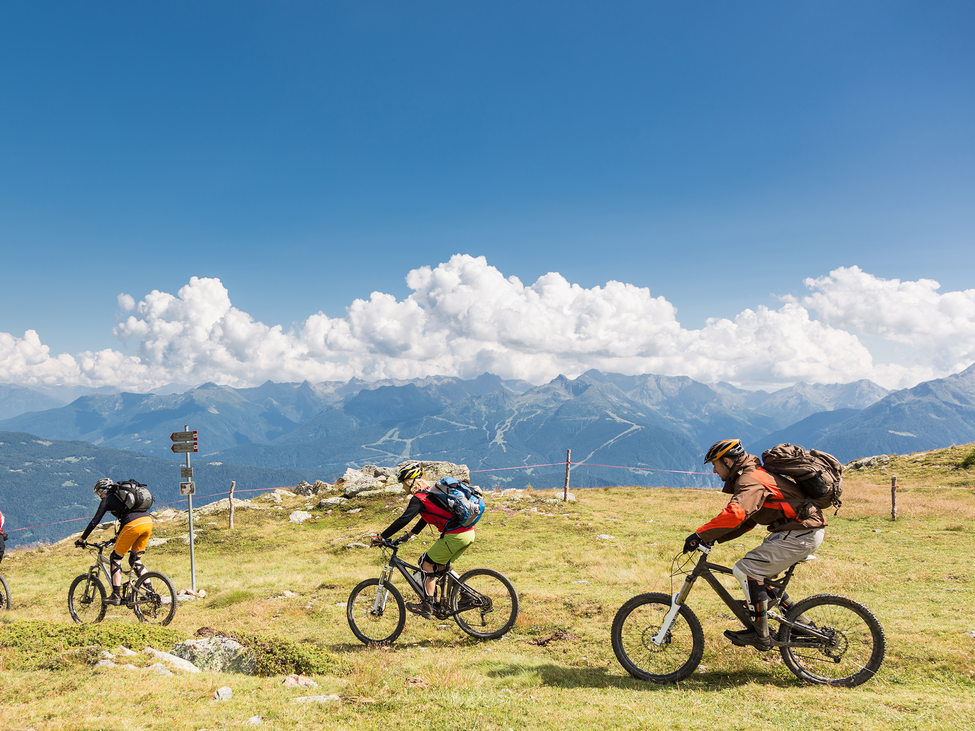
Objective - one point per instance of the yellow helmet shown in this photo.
(725, 448)
(409, 471)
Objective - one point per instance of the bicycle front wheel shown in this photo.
(852, 651)
(486, 603)
(154, 601)
(374, 619)
(4, 595)
(638, 621)
(86, 600)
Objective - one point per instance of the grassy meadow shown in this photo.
(555, 669)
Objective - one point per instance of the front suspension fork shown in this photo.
(676, 602)
(382, 593)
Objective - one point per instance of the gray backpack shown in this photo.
(818, 474)
(135, 495)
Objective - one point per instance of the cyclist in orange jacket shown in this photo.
(796, 529)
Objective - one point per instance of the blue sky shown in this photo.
(304, 155)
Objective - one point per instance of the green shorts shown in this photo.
(450, 546)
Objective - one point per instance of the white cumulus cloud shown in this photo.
(464, 317)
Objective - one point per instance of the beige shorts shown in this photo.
(779, 551)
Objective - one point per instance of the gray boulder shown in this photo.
(220, 654)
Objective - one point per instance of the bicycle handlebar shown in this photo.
(394, 542)
(103, 544)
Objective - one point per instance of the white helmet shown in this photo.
(102, 486)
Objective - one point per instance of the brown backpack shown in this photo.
(817, 474)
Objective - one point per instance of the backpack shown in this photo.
(464, 501)
(818, 474)
(135, 495)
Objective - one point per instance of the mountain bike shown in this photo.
(4, 595)
(824, 639)
(483, 602)
(151, 596)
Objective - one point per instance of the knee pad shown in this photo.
(742, 579)
(438, 568)
(753, 589)
(135, 557)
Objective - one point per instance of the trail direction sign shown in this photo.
(184, 442)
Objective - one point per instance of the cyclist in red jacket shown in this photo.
(449, 547)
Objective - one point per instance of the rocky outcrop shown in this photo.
(867, 462)
(372, 480)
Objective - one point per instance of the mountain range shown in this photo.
(621, 430)
(46, 483)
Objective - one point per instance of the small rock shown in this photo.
(104, 664)
(604, 537)
(124, 651)
(160, 669)
(106, 655)
(970, 634)
(353, 511)
(299, 516)
(580, 582)
(223, 694)
(331, 502)
(299, 681)
(357, 545)
(177, 662)
(255, 720)
(288, 594)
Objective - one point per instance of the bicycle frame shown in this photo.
(407, 570)
(706, 570)
(103, 566)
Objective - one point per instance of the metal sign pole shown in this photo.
(185, 442)
(189, 501)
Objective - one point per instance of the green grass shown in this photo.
(555, 670)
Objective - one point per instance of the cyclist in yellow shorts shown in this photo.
(451, 544)
(135, 528)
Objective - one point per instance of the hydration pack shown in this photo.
(817, 474)
(135, 495)
(464, 501)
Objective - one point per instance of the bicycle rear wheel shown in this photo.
(374, 619)
(851, 654)
(4, 595)
(86, 600)
(154, 601)
(635, 625)
(486, 603)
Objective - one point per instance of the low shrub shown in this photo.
(968, 461)
(35, 644)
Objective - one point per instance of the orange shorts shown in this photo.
(134, 536)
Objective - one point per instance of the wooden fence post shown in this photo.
(568, 461)
(893, 497)
(233, 484)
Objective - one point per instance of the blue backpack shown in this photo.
(464, 501)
